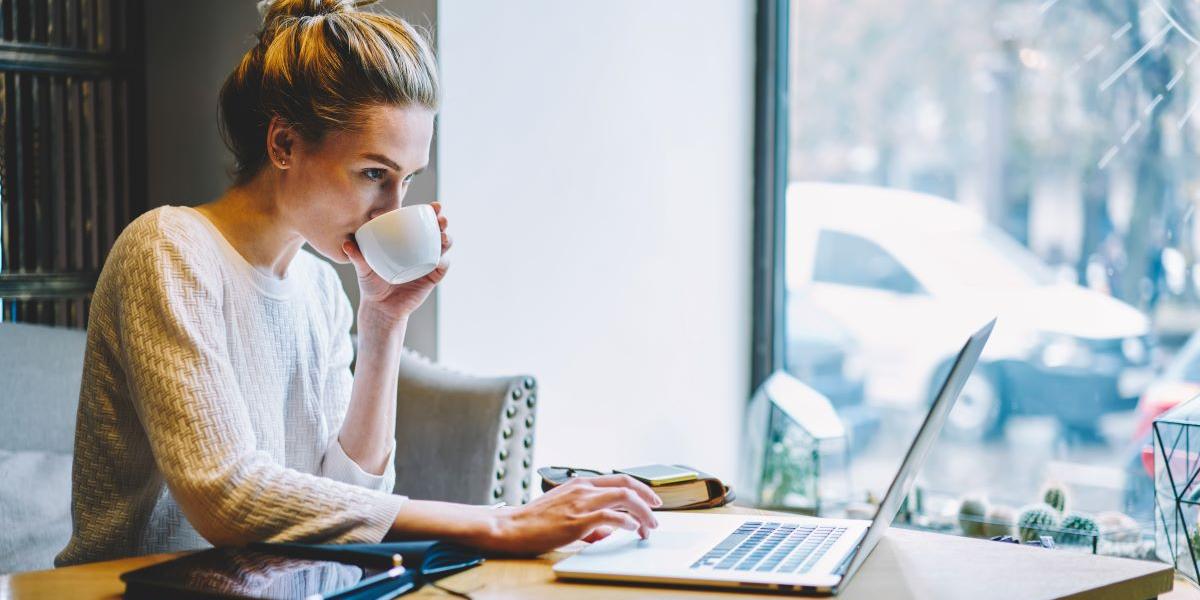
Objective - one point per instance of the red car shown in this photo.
(1179, 382)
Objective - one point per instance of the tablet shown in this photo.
(242, 573)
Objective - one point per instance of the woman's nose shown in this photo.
(386, 207)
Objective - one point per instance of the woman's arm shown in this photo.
(369, 429)
(584, 508)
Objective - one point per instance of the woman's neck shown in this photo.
(250, 218)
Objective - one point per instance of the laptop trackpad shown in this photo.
(660, 540)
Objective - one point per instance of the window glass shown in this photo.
(1031, 160)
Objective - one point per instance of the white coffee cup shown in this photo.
(403, 244)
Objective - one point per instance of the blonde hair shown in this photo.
(317, 65)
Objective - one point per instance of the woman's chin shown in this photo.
(338, 257)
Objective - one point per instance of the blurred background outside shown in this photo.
(1036, 160)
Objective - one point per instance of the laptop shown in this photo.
(805, 555)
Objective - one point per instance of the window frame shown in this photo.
(770, 188)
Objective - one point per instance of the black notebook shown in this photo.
(278, 571)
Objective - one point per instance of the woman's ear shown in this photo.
(281, 143)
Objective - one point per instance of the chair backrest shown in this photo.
(464, 438)
(40, 371)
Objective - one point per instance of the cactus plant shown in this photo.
(972, 512)
(1035, 520)
(1080, 530)
(1055, 495)
(999, 521)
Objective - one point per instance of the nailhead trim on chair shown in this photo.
(497, 404)
(514, 461)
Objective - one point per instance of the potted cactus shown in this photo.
(999, 521)
(1054, 494)
(1037, 520)
(1078, 529)
(972, 515)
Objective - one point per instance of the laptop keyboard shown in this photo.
(771, 547)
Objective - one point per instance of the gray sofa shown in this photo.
(459, 438)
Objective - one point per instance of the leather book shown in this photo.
(706, 491)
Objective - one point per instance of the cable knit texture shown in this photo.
(211, 401)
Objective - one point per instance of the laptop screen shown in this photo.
(919, 449)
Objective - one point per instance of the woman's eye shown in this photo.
(409, 177)
(373, 174)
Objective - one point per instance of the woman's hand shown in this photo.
(395, 303)
(586, 508)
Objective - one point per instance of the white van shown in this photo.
(910, 274)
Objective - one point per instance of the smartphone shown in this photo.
(659, 474)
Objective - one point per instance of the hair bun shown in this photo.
(275, 11)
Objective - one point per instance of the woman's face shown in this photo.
(332, 187)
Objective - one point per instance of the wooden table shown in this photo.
(906, 564)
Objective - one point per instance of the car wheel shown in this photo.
(981, 410)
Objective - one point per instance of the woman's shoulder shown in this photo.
(166, 230)
(175, 225)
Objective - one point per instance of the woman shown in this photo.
(217, 401)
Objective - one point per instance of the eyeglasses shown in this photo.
(564, 473)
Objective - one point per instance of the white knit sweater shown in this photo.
(211, 401)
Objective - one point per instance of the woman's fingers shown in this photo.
(598, 534)
(440, 270)
(625, 481)
(356, 257)
(627, 499)
(443, 224)
(612, 518)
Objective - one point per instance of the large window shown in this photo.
(1034, 160)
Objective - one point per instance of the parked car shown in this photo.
(1179, 382)
(911, 275)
